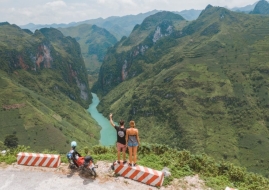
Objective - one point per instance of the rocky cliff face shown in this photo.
(45, 49)
(44, 90)
(43, 58)
(40, 58)
(158, 34)
(93, 41)
(123, 65)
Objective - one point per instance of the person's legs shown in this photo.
(135, 153)
(118, 154)
(124, 155)
(130, 154)
(122, 148)
(124, 152)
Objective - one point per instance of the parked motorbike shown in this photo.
(84, 164)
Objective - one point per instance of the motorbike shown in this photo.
(84, 164)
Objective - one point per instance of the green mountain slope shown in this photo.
(202, 87)
(44, 89)
(262, 7)
(93, 41)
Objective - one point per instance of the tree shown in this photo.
(11, 141)
(2, 146)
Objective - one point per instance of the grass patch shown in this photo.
(216, 174)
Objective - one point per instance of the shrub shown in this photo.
(86, 150)
(11, 141)
(2, 146)
(100, 149)
(11, 155)
(216, 175)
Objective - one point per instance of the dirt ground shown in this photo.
(107, 178)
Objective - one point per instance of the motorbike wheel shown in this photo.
(93, 173)
(72, 166)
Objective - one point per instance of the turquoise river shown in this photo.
(108, 133)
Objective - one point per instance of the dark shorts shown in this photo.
(132, 144)
(121, 147)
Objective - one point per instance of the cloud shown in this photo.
(101, 1)
(66, 11)
(56, 4)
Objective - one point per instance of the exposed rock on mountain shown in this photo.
(45, 72)
(143, 37)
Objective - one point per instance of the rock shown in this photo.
(228, 188)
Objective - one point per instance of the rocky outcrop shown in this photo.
(43, 58)
(47, 48)
(83, 90)
(158, 34)
(119, 66)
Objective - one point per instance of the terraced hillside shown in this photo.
(44, 90)
(200, 85)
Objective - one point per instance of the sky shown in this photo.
(21, 12)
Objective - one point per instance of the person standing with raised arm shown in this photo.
(133, 141)
(121, 140)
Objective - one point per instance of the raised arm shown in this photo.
(111, 120)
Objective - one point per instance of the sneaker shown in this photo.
(134, 164)
(124, 162)
(130, 164)
(118, 162)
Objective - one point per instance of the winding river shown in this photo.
(108, 133)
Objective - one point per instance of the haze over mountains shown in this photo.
(93, 41)
(93, 52)
(246, 9)
(122, 26)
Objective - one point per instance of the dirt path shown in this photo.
(29, 177)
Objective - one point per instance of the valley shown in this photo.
(107, 133)
(198, 84)
(44, 90)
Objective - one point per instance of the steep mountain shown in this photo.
(115, 69)
(245, 9)
(116, 25)
(44, 89)
(262, 7)
(200, 85)
(93, 41)
(120, 26)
